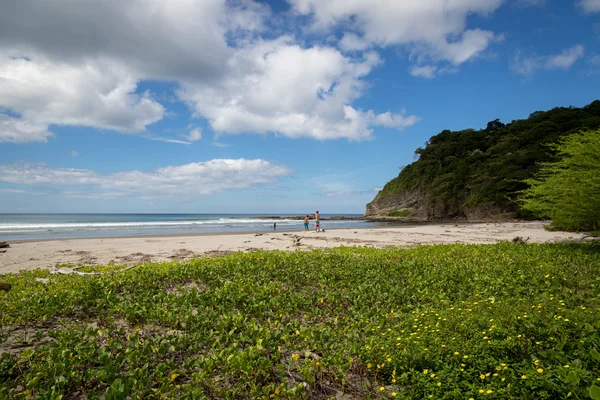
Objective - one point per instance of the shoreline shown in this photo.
(27, 255)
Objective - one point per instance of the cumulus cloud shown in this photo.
(527, 65)
(278, 86)
(590, 6)
(14, 130)
(98, 94)
(189, 180)
(432, 30)
(63, 63)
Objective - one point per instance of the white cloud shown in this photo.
(21, 191)
(565, 59)
(424, 71)
(432, 29)
(212, 49)
(14, 130)
(529, 64)
(351, 41)
(166, 140)
(74, 153)
(98, 94)
(174, 181)
(278, 86)
(530, 3)
(194, 135)
(590, 6)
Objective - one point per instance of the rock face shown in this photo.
(420, 209)
(413, 201)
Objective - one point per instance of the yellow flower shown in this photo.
(389, 360)
(482, 376)
(536, 362)
(456, 353)
(539, 370)
(481, 391)
(569, 394)
(369, 365)
(489, 392)
(433, 375)
(503, 379)
(381, 389)
(394, 394)
(465, 356)
(174, 376)
(524, 377)
(439, 384)
(566, 366)
(425, 371)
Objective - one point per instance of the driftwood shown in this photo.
(5, 286)
(297, 240)
(73, 271)
(593, 237)
(4, 244)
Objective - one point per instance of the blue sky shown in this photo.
(264, 107)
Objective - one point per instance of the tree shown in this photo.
(568, 190)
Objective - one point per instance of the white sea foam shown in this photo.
(12, 227)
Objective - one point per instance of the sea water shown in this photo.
(60, 226)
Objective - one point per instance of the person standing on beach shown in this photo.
(317, 222)
(306, 219)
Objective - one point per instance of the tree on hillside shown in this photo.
(568, 190)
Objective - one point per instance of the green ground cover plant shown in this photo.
(497, 321)
(399, 213)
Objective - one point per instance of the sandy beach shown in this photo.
(133, 250)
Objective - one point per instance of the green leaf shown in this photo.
(595, 354)
(594, 392)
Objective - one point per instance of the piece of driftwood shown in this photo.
(4, 244)
(593, 237)
(73, 271)
(5, 286)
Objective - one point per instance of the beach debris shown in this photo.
(5, 286)
(73, 271)
(259, 234)
(519, 239)
(296, 240)
(3, 251)
(592, 237)
(4, 244)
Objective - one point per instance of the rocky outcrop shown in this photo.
(421, 209)
(383, 204)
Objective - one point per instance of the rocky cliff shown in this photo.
(417, 208)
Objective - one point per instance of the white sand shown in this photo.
(99, 251)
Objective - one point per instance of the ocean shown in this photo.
(61, 226)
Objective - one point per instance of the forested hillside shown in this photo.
(460, 171)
